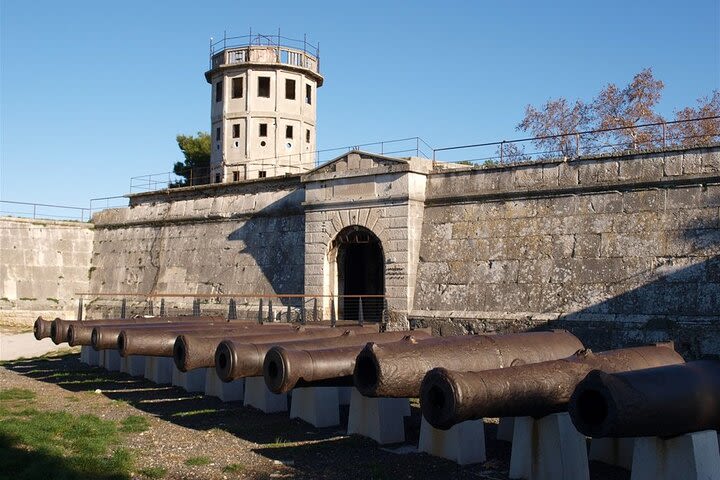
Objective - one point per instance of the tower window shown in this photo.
(217, 134)
(263, 130)
(219, 91)
(308, 94)
(289, 89)
(289, 131)
(236, 130)
(264, 87)
(262, 174)
(236, 176)
(307, 136)
(217, 178)
(237, 87)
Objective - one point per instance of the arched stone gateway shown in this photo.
(357, 264)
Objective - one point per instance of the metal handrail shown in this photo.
(35, 214)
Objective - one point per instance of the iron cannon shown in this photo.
(659, 402)
(105, 337)
(397, 369)
(450, 397)
(237, 360)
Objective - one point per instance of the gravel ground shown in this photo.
(240, 442)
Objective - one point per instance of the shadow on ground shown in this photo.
(313, 453)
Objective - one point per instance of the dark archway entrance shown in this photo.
(360, 271)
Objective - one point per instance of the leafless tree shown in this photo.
(554, 123)
(700, 132)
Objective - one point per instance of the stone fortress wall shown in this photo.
(43, 263)
(621, 250)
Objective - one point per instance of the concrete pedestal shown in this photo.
(192, 381)
(159, 369)
(548, 448)
(344, 394)
(613, 451)
(89, 356)
(318, 406)
(133, 365)
(692, 456)
(111, 360)
(226, 391)
(259, 396)
(464, 443)
(505, 429)
(382, 419)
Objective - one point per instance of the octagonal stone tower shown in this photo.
(263, 106)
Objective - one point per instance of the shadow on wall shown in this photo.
(678, 299)
(273, 241)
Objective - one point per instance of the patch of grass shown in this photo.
(153, 472)
(51, 299)
(233, 468)
(279, 442)
(4, 299)
(27, 298)
(197, 461)
(134, 424)
(71, 398)
(90, 272)
(16, 394)
(35, 444)
(190, 413)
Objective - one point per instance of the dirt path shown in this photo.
(237, 441)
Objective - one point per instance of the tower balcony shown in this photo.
(257, 49)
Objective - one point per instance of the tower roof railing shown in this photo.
(263, 40)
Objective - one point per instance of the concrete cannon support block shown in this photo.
(259, 396)
(159, 369)
(192, 381)
(133, 365)
(344, 394)
(226, 391)
(690, 456)
(548, 448)
(89, 356)
(382, 419)
(613, 451)
(505, 429)
(318, 406)
(463, 443)
(111, 360)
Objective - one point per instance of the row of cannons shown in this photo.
(642, 408)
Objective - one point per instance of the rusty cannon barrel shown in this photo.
(397, 369)
(286, 368)
(235, 360)
(196, 350)
(654, 402)
(41, 328)
(536, 390)
(60, 328)
(162, 343)
(105, 337)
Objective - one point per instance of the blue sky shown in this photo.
(93, 93)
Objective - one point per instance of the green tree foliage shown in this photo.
(196, 168)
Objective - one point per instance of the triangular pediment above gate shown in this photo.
(356, 161)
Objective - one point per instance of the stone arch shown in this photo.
(355, 265)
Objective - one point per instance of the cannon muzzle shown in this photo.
(42, 328)
(654, 402)
(450, 397)
(397, 369)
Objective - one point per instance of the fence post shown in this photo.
(260, 312)
(361, 317)
(271, 317)
(123, 308)
(151, 308)
(315, 310)
(80, 308)
(577, 144)
(232, 310)
(289, 320)
(303, 313)
(664, 130)
(162, 307)
(333, 319)
(196, 307)
(501, 150)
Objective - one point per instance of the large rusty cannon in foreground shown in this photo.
(450, 397)
(196, 350)
(162, 344)
(235, 360)
(286, 368)
(59, 327)
(659, 402)
(397, 369)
